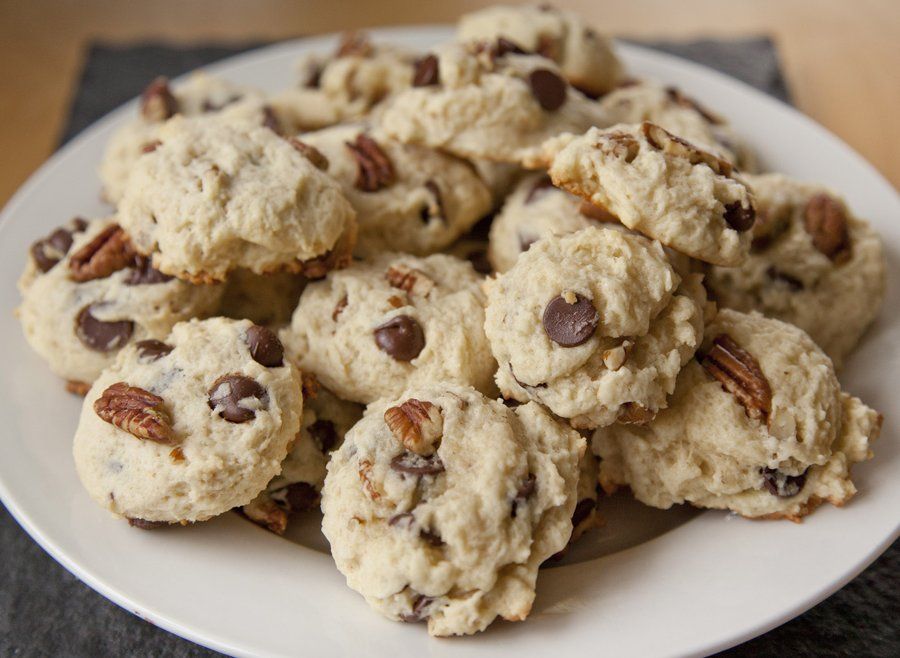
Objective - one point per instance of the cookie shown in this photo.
(200, 94)
(584, 57)
(441, 505)
(268, 299)
(326, 419)
(213, 197)
(86, 295)
(346, 85)
(183, 430)
(407, 198)
(481, 101)
(381, 326)
(595, 325)
(670, 108)
(661, 186)
(812, 263)
(758, 425)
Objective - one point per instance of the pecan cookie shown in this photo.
(380, 326)
(442, 504)
(488, 101)
(86, 294)
(200, 94)
(758, 424)
(660, 185)
(812, 263)
(407, 198)
(584, 57)
(347, 85)
(183, 430)
(213, 197)
(681, 115)
(595, 325)
(268, 299)
(326, 419)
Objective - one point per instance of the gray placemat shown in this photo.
(45, 611)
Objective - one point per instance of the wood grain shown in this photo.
(841, 58)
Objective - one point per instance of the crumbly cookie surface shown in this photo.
(488, 102)
(86, 295)
(595, 325)
(396, 321)
(213, 197)
(812, 263)
(659, 185)
(584, 56)
(441, 505)
(759, 425)
(407, 198)
(183, 430)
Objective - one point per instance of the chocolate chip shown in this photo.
(146, 525)
(157, 101)
(142, 273)
(548, 89)
(523, 493)
(227, 393)
(570, 325)
(414, 464)
(401, 337)
(431, 538)
(101, 336)
(324, 434)
(582, 511)
(738, 217)
(265, 348)
(419, 609)
(48, 251)
(479, 259)
(783, 485)
(301, 497)
(539, 186)
(426, 72)
(152, 350)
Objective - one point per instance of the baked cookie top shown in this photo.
(660, 185)
(186, 429)
(441, 505)
(213, 197)
(381, 326)
(595, 325)
(758, 425)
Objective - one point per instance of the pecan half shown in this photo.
(417, 424)
(619, 145)
(739, 373)
(663, 140)
(409, 279)
(264, 511)
(157, 101)
(354, 44)
(108, 252)
(311, 153)
(826, 222)
(136, 411)
(374, 168)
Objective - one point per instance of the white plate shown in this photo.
(668, 583)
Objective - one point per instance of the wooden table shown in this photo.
(841, 57)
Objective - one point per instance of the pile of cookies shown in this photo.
(453, 299)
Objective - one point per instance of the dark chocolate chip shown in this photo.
(738, 217)
(524, 493)
(301, 497)
(401, 337)
(570, 325)
(783, 485)
(426, 72)
(228, 391)
(323, 432)
(265, 348)
(152, 350)
(413, 464)
(99, 335)
(431, 538)
(48, 251)
(142, 273)
(548, 89)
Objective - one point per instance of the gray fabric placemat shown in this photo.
(45, 611)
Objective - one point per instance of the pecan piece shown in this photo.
(136, 411)
(374, 168)
(739, 373)
(108, 252)
(365, 467)
(157, 101)
(631, 413)
(409, 279)
(663, 140)
(354, 44)
(426, 71)
(339, 308)
(311, 153)
(417, 424)
(826, 222)
(264, 511)
(619, 145)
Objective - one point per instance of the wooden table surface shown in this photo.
(841, 57)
